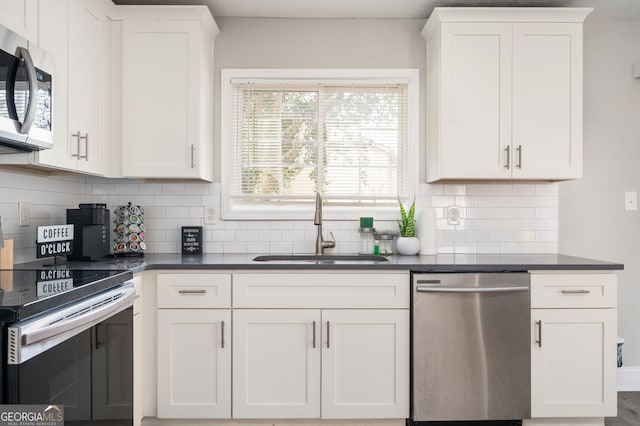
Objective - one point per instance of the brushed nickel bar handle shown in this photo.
(507, 151)
(86, 146)
(222, 334)
(576, 291)
(192, 291)
(328, 335)
(519, 151)
(539, 340)
(314, 335)
(193, 148)
(77, 136)
(424, 289)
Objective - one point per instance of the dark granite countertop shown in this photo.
(439, 263)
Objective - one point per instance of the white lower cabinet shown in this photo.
(292, 345)
(194, 363)
(330, 364)
(194, 345)
(276, 368)
(365, 354)
(574, 364)
(573, 357)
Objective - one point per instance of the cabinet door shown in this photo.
(547, 100)
(276, 364)
(20, 16)
(88, 35)
(365, 364)
(194, 363)
(161, 98)
(475, 100)
(53, 38)
(112, 366)
(573, 368)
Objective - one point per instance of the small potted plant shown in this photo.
(407, 242)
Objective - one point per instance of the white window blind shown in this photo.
(347, 141)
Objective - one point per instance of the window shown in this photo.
(289, 133)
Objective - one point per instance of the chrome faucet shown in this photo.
(321, 244)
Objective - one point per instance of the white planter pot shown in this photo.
(407, 245)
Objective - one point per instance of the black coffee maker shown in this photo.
(90, 233)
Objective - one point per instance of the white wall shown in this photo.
(593, 222)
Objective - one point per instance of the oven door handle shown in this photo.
(83, 321)
(427, 289)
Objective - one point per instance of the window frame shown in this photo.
(302, 211)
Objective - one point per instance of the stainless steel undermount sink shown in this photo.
(320, 258)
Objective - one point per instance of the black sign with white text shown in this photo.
(192, 240)
(56, 240)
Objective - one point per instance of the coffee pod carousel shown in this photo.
(129, 231)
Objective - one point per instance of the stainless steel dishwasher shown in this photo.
(470, 346)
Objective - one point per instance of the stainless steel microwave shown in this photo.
(26, 83)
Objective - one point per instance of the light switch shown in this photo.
(631, 200)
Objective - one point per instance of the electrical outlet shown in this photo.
(453, 215)
(210, 217)
(24, 213)
(631, 201)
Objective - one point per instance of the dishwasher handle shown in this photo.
(429, 289)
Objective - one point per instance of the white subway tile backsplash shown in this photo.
(454, 189)
(234, 247)
(282, 224)
(257, 247)
(268, 235)
(442, 201)
(224, 235)
(213, 246)
(127, 188)
(496, 217)
(178, 212)
(196, 212)
(173, 188)
(190, 200)
(281, 247)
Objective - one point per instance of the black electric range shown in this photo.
(24, 293)
(58, 326)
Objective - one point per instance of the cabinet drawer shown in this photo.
(321, 290)
(573, 291)
(194, 290)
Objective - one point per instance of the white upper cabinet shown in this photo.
(76, 32)
(88, 43)
(504, 93)
(20, 16)
(167, 92)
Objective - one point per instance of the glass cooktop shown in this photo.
(24, 293)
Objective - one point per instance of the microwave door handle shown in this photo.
(33, 89)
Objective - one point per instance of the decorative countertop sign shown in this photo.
(192, 240)
(56, 240)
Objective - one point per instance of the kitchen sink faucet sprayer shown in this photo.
(321, 244)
